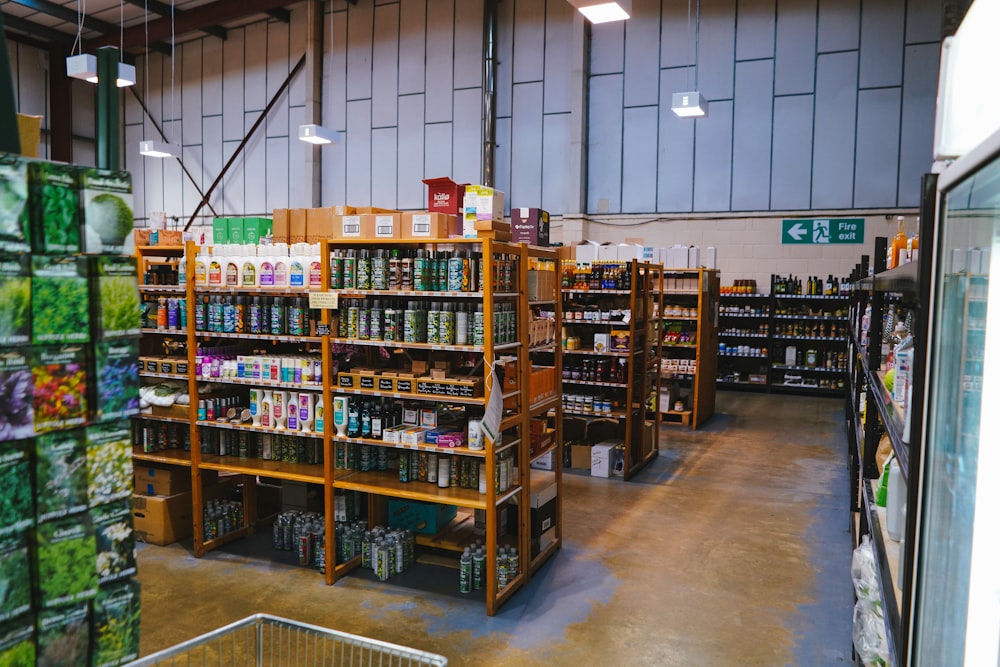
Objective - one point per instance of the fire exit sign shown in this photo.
(823, 231)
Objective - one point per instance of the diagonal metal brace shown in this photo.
(239, 149)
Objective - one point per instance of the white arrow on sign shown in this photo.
(797, 231)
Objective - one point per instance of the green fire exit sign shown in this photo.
(822, 231)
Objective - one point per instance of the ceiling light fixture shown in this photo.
(602, 11)
(691, 104)
(82, 66)
(151, 148)
(317, 134)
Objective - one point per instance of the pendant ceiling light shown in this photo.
(602, 11)
(313, 133)
(150, 147)
(691, 104)
(83, 66)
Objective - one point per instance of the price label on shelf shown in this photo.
(323, 300)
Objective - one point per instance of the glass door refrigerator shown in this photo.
(955, 609)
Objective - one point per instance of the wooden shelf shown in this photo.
(411, 346)
(813, 297)
(458, 534)
(351, 293)
(598, 354)
(614, 414)
(544, 406)
(596, 291)
(386, 483)
(161, 418)
(252, 291)
(812, 318)
(248, 382)
(164, 376)
(146, 331)
(259, 429)
(296, 472)
(463, 451)
(823, 339)
(475, 400)
(176, 457)
(591, 383)
(597, 322)
(273, 338)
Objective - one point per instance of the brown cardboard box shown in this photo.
(530, 225)
(164, 480)
(344, 210)
(385, 225)
(319, 224)
(491, 226)
(297, 225)
(496, 236)
(179, 411)
(580, 456)
(420, 225)
(162, 520)
(347, 227)
(280, 227)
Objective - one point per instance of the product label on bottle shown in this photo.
(214, 273)
(280, 273)
(232, 275)
(315, 275)
(296, 274)
(249, 274)
(266, 274)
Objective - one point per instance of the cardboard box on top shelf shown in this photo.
(235, 230)
(279, 226)
(607, 252)
(297, 225)
(319, 224)
(694, 257)
(586, 252)
(421, 225)
(384, 225)
(445, 195)
(530, 225)
(677, 257)
(255, 229)
(710, 258)
(492, 226)
(220, 231)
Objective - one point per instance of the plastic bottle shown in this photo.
(895, 500)
(280, 265)
(465, 572)
(265, 275)
(319, 417)
(292, 412)
(913, 247)
(215, 269)
(280, 408)
(478, 568)
(315, 267)
(251, 267)
(897, 251)
(266, 404)
(201, 267)
(904, 362)
(298, 272)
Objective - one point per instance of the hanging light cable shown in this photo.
(126, 72)
(314, 133)
(691, 104)
(153, 148)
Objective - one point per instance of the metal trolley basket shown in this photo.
(272, 641)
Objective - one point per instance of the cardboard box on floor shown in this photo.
(163, 520)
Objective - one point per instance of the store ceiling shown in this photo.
(136, 25)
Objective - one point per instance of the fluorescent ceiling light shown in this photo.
(158, 149)
(601, 11)
(689, 105)
(126, 75)
(82, 66)
(317, 134)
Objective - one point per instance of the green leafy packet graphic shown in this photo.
(109, 462)
(106, 199)
(15, 227)
(61, 473)
(17, 642)
(15, 577)
(54, 194)
(60, 300)
(17, 498)
(117, 307)
(116, 624)
(64, 636)
(65, 555)
(115, 541)
(15, 300)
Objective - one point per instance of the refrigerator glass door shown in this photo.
(956, 612)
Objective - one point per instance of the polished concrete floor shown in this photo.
(731, 549)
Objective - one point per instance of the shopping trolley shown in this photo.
(263, 640)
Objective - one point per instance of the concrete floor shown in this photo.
(732, 548)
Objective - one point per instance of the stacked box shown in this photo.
(115, 296)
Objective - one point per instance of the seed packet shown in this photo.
(117, 308)
(115, 380)
(17, 414)
(106, 199)
(116, 624)
(64, 636)
(61, 473)
(15, 577)
(17, 641)
(54, 194)
(60, 303)
(60, 387)
(115, 541)
(65, 561)
(15, 300)
(109, 462)
(17, 505)
(15, 228)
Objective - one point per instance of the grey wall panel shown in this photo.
(917, 129)
(676, 35)
(359, 152)
(503, 158)
(437, 150)
(795, 46)
(838, 25)
(84, 153)
(877, 152)
(676, 149)
(211, 83)
(505, 55)
(833, 135)
(132, 112)
(639, 160)
(752, 135)
(791, 152)
(384, 167)
(233, 184)
(30, 72)
(468, 44)
(360, 22)
(440, 37)
(278, 67)
(277, 173)
(526, 145)
(642, 46)
(211, 157)
(713, 158)
(923, 21)
(232, 85)
(334, 174)
(467, 150)
(254, 168)
(134, 163)
(254, 61)
(385, 70)
(410, 166)
(335, 79)
(881, 43)
(716, 49)
(412, 16)
(152, 187)
(297, 151)
(558, 55)
(604, 158)
(84, 118)
(754, 29)
(174, 186)
(297, 33)
(529, 40)
(555, 165)
(607, 48)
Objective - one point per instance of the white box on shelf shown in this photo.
(710, 258)
(546, 461)
(694, 257)
(586, 252)
(607, 252)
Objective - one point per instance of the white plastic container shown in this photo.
(255, 397)
(306, 418)
(266, 407)
(895, 501)
(280, 408)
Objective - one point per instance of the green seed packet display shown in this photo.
(109, 462)
(60, 300)
(116, 624)
(64, 636)
(17, 413)
(65, 555)
(60, 387)
(117, 308)
(17, 505)
(106, 198)
(54, 193)
(15, 300)
(115, 380)
(17, 642)
(15, 577)
(15, 227)
(61, 473)
(115, 541)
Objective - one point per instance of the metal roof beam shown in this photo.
(50, 35)
(163, 9)
(67, 14)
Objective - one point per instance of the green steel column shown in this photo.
(10, 140)
(108, 131)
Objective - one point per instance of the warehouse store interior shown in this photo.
(498, 332)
